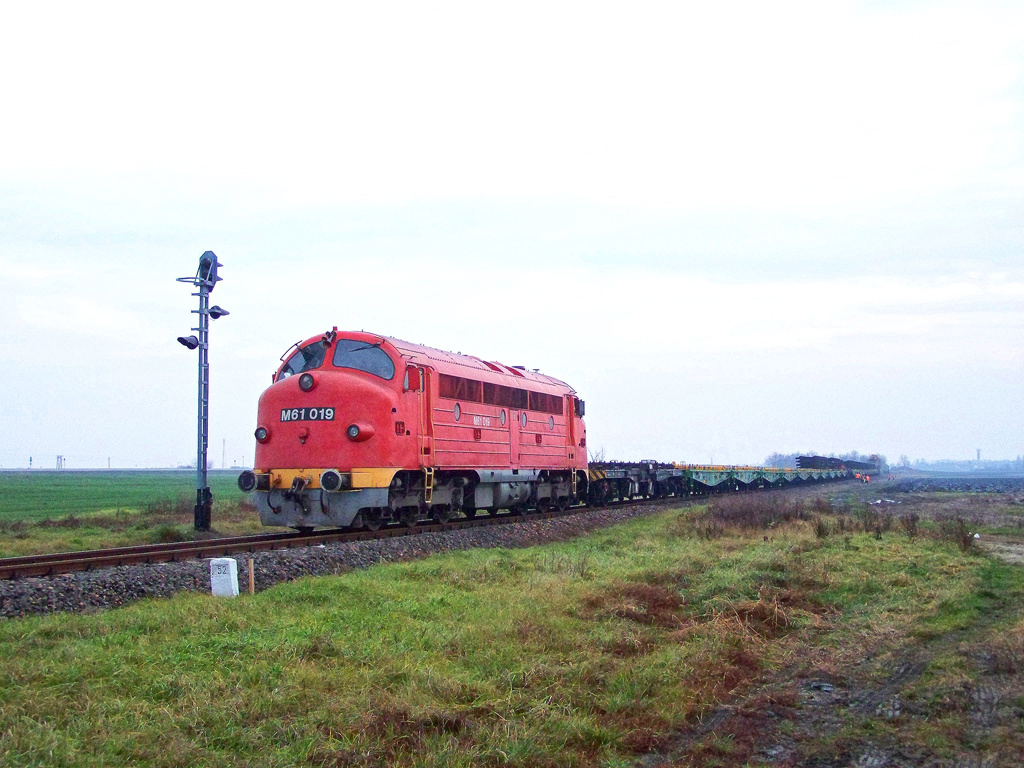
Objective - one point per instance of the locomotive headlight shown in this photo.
(306, 382)
(262, 434)
(359, 432)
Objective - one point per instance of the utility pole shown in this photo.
(204, 281)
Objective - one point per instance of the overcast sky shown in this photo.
(734, 228)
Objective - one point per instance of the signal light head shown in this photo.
(262, 435)
(306, 382)
(216, 312)
(189, 341)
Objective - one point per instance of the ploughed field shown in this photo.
(961, 484)
(828, 626)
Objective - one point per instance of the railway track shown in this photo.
(67, 562)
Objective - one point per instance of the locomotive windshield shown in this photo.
(363, 356)
(308, 357)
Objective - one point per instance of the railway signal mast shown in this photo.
(204, 281)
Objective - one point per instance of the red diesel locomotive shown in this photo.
(359, 429)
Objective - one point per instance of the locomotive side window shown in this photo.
(495, 394)
(545, 403)
(306, 359)
(520, 399)
(448, 386)
(458, 388)
(362, 356)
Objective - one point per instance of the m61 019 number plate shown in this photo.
(307, 414)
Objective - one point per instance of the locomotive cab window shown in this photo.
(306, 359)
(363, 356)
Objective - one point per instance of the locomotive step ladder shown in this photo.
(428, 485)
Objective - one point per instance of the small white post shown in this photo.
(224, 577)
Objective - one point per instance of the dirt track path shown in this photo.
(955, 700)
(1010, 550)
(865, 716)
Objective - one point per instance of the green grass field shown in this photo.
(45, 494)
(50, 511)
(590, 652)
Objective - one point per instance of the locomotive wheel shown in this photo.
(409, 516)
(517, 509)
(469, 513)
(562, 503)
(305, 530)
(372, 519)
(441, 514)
(543, 505)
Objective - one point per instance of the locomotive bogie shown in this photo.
(312, 508)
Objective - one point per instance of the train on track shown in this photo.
(358, 430)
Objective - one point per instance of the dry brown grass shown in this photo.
(756, 510)
(959, 531)
(395, 734)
